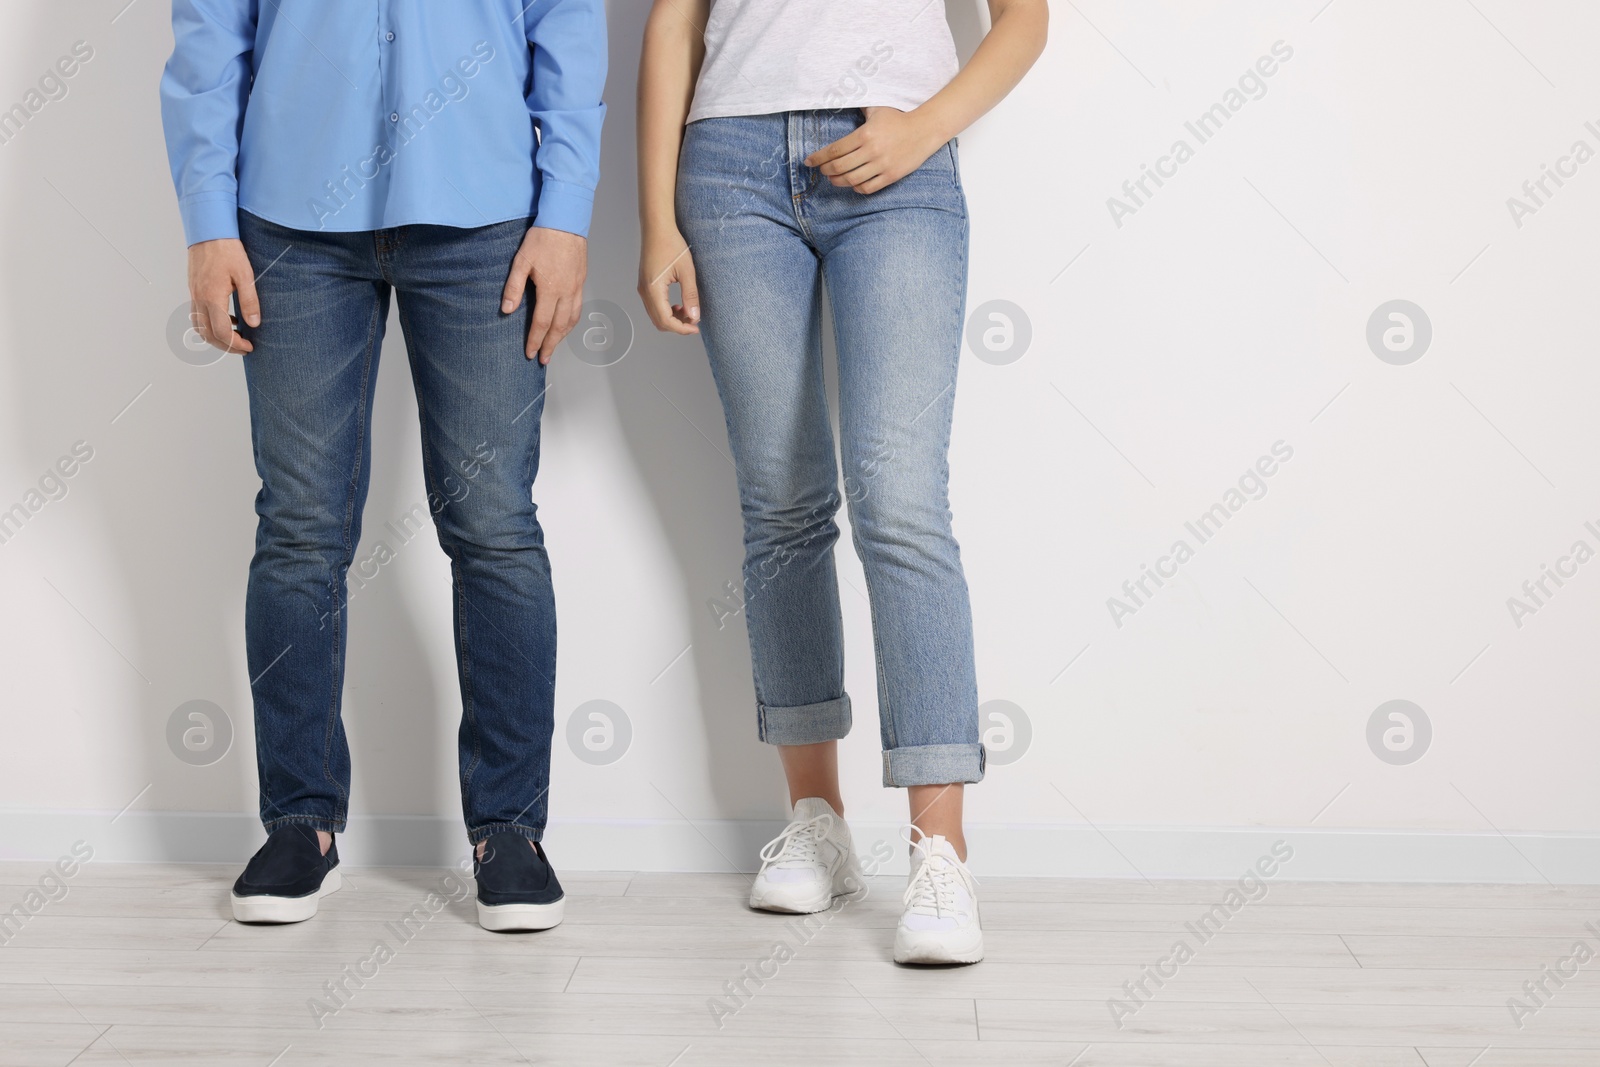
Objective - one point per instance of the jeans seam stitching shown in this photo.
(349, 550)
(463, 666)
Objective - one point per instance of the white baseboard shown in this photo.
(1000, 850)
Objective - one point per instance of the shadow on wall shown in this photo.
(671, 421)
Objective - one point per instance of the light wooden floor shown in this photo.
(141, 964)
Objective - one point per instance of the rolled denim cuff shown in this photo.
(479, 834)
(933, 765)
(311, 822)
(805, 724)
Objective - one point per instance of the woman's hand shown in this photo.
(664, 259)
(879, 152)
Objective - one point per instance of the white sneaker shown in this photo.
(810, 863)
(940, 924)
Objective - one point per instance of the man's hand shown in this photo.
(556, 262)
(217, 270)
(879, 152)
(664, 259)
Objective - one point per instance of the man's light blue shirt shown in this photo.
(369, 114)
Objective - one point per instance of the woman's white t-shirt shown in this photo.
(764, 56)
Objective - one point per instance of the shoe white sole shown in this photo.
(792, 900)
(938, 946)
(268, 909)
(506, 917)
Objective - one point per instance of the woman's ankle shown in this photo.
(936, 810)
(813, 771)
(833, 801)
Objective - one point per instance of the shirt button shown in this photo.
(394, 116)
(389, 36)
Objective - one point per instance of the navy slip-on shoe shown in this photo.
(285, 878)
(517, 889)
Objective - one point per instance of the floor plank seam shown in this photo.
(575, 965)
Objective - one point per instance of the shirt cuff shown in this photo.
(564, 206)
(210, 217)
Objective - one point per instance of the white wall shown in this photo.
(1168, 353)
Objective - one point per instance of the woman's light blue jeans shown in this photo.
(767, 233)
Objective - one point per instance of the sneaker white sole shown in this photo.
(507, 917)
(938, 946)
(793, 900)
(268, 909)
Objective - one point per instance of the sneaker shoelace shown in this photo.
(799, 843)
(932, 890)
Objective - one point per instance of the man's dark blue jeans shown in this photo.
(324, 301)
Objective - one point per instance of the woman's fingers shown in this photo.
(690, 289)
(845, 164)
(654, 295)
(654, 291)
(681, 318)
(842, 147)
